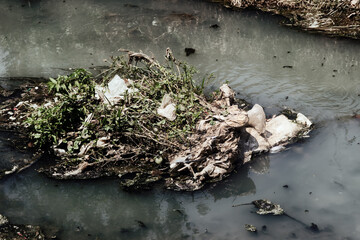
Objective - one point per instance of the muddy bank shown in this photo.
(143, 122)
(18, 150)
(334, 18)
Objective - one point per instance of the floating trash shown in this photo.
(250, 228)
(266, 207)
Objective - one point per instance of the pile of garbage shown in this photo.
(335, 18)
(144, 122)
(230, 136)
(17, 232)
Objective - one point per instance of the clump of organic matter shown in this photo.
(72, 118)
(17, 232)
(142, 121)
(78, 125)
(73, 99)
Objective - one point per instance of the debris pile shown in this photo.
(335, 18)
(266, 207)
(230, 136)
(250, 228)
(17, 232)
(144, 122)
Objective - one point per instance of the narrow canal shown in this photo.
(262, 61)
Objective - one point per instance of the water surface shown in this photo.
(249, 51)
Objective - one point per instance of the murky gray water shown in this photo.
(249, 51)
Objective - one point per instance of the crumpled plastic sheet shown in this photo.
(228, 136)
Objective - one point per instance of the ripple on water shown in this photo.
(249, 51)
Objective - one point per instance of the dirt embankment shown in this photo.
(334, 18)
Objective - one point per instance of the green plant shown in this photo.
(133, 123)
(78, 86)
(138, 114)
(75, 97)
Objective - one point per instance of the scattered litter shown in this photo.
(80, 169)
(266, 207)
(3, 220)
(221, 139)
(156, 132)
(277, 149)
(250, 228)
(301, 119)
(115, 90)
(85, 148)
(167, 108)
(59, 152)
(102, 142)
(11, 171)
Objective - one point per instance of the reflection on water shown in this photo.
(100, 209)
(3, 55)
(249, 50)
